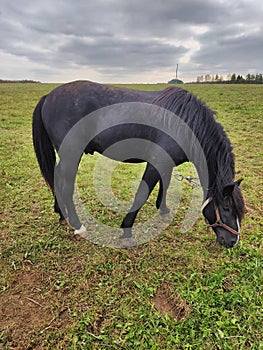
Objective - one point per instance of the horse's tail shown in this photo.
(43, 146)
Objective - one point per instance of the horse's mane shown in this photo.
(210, 134)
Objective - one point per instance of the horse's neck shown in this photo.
(212, 181)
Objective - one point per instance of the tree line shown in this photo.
(24, 81)
(231, 79)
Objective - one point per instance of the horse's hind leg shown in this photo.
(65, 179)
(149, 180)
(161, 199)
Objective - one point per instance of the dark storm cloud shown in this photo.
(233, 48)
(229, 50)
(115, 36)
(174, 11)
(129, 54)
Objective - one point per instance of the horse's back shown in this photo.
(85, 96)
(68, 103)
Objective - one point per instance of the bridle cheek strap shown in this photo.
(219, 222)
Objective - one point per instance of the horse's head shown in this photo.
(225, 215)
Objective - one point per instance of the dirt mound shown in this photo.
(166, 303)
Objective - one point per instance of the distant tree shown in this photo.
(259, 78)
(248, 77)
(240, 79)
(200, 79)
(208, 78)
(233, 77)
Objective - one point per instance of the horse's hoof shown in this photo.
(63, 221)
(126, 235)
(78, 238)
(81, 231)
(164, 211)
(127, 242)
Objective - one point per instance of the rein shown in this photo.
(218, 222)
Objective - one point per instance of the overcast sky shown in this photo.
(126, 41)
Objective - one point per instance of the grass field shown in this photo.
(178, 291)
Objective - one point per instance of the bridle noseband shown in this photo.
(218, 222)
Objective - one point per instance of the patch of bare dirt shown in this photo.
(229, 282)
(167, 304)
(25, 312)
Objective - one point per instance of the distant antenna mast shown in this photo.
(176, 71)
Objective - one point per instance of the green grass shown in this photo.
(57, 292)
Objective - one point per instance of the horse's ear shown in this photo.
(238, 182)
(228, 189)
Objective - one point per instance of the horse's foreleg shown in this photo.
(161, 199)
(149, 180)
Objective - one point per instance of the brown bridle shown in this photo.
(219, 222)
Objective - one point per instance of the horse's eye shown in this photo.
(226, 209)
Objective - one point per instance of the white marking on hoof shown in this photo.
(81, 231)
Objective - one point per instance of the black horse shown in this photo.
(192, 124)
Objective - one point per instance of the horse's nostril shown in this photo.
(231, 243)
